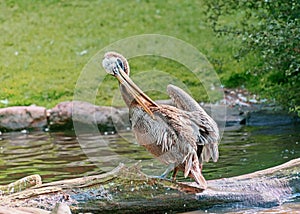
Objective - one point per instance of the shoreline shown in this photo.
(112, 119)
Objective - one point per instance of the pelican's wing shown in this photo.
(156, 135)
(208, 134)
(182, 99)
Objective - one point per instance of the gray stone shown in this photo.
(86, 115)
(22, 117)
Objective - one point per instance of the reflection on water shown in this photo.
(58, 155)
(287, 208)
(54, 156)
(254, 148)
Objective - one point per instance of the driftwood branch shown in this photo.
(128, 190)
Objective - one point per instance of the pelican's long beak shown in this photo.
(134, 90)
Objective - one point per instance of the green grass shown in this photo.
(41, 42)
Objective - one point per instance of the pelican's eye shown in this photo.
(120, 63)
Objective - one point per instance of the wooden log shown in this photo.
(128, 190)
(20, 185)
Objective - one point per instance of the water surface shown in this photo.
(61, 155)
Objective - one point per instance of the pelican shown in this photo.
(182, 137)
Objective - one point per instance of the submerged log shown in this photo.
(128, 190)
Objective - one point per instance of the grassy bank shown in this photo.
(45, 44)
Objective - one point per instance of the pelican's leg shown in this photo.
(174, 173)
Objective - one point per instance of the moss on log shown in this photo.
(20, 185)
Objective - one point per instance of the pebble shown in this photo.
(5, 102)
(253, 101)
(240, 97)
(24, 131)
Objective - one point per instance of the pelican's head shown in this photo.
(117, 65)
(113, 62)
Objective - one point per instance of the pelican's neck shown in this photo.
(127, 97)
